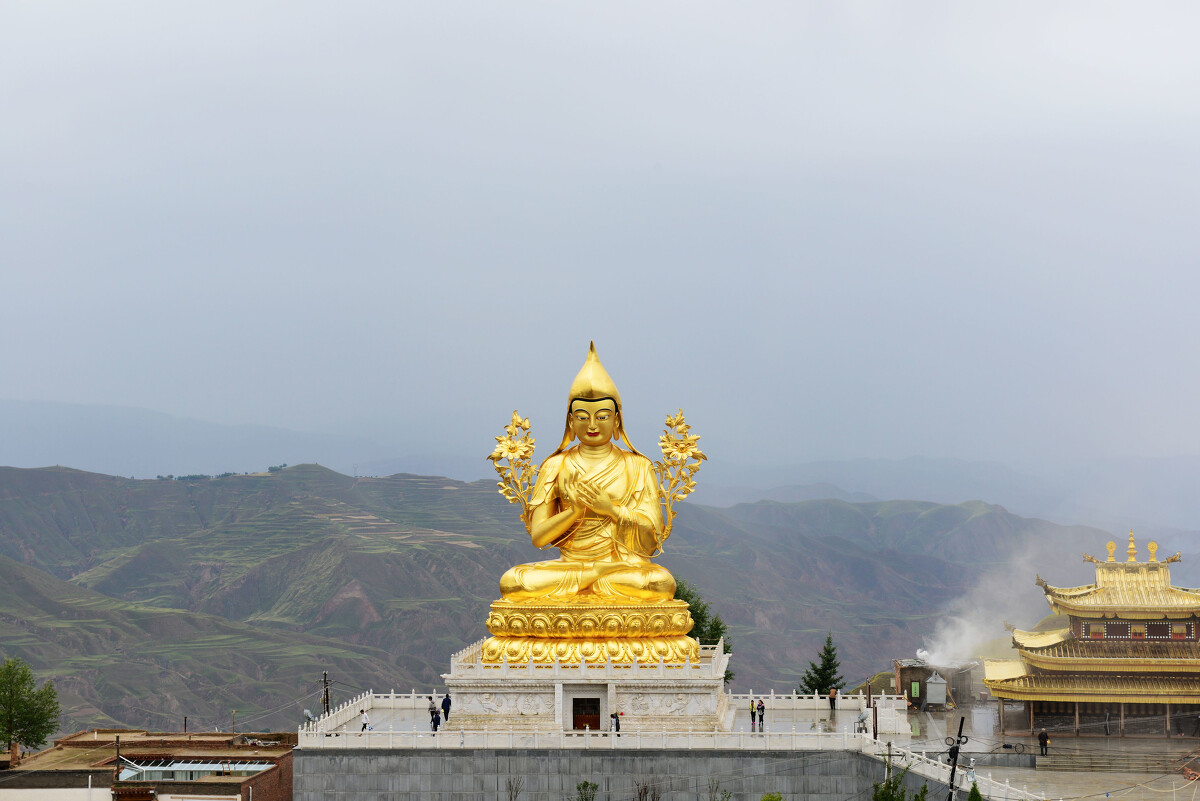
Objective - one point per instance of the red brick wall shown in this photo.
(274, 784)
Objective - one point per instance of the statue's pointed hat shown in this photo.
(593, 382)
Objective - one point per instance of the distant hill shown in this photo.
(1153, 495)
(916, 478)
(139, 442)
(792, 493)
(302, 566)
(120, 663)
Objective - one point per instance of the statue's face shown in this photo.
(593, 422)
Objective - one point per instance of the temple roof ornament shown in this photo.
(1132, 549)
(1131, 590)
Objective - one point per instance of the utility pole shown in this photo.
(185, 724)
(234, 721)
(954, 746)
(325, 690)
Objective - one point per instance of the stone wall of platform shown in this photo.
(459, 775)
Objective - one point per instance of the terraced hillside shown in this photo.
(147, 599)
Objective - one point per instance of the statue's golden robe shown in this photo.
(600, 558)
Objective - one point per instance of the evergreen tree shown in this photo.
(27, 715)
(892, 789)
(975, 795)
(707, 626)
(821, 678)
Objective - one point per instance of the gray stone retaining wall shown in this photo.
(551, 775)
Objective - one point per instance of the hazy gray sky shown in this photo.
(825, 230)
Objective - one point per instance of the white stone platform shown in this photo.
(405, 729)
(549, 697)
(661, 700)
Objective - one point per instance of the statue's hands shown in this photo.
(574, 510)
(594, 497)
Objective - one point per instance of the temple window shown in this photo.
(1138, 631)
(1116, 630)
(1093, 631)
(1181, 631)
(1160, 630)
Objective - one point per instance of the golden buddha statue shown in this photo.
(604, 508)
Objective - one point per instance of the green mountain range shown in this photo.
(148, 600)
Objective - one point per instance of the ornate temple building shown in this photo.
(1127, 662)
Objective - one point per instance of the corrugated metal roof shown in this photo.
(186, 769)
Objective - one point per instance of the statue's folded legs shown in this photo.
(561, 580)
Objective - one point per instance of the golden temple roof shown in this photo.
(1130, 589)
(1098, 689)
(1039, 639)
(1002, 669)
(1115, 656)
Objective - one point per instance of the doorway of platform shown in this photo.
(585, 714)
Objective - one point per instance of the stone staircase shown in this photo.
(520, 724)
(1109, 762)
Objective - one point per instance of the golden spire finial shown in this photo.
(593, 381)
(1152, 547)
(1132, 550)
(1112, 549)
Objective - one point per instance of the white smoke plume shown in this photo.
(1006, 593)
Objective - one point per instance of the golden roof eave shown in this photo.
(1122, 612)
(1039, 639)
(1003, 669)
(1097, 689)
(1115, 656)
